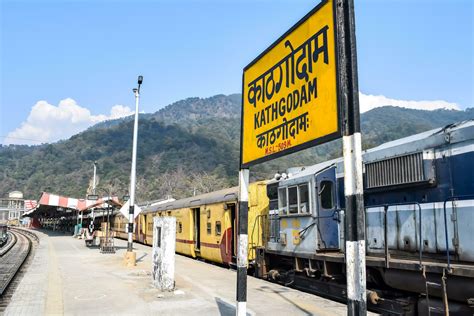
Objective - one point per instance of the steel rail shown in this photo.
(9, 245)
(14, 259)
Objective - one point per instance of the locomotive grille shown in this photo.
(395, 171)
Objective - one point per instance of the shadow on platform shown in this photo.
(268, 289)
(226, 308)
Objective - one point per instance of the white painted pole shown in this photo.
(242, 247)
(93, 179)
(133, 171)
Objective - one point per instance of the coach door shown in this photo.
(197, 226)
(328, 224)
(233, 241)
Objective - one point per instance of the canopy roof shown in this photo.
(51, 203)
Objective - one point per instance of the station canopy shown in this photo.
(53, 205)
(30, 204)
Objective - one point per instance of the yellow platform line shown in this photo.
(54, 298)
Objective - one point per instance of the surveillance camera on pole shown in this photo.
(130, 256)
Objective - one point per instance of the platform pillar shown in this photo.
(163, 255)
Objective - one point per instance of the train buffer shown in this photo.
(64, 277)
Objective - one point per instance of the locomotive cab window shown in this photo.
(294, 200)
(303, 194)
(325, 193)
(282, 201)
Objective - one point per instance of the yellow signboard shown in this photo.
(290, 95)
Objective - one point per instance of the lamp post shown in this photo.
(91, 225)
(93, 179)
(130, 256)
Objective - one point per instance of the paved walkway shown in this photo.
(67, 278)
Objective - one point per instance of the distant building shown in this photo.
(13, 206)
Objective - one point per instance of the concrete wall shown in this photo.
(164, 245)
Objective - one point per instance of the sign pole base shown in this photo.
(130, 259)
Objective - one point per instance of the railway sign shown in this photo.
(125, 209)
(290, 91)
(300, 92)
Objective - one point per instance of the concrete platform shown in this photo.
(67, 278)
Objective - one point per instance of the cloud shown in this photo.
(369, 102)
(48, 123)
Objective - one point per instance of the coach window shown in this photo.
(209, 228)
(282, 201)
(326, 195)
(180, 227)
(293, 200)
(218, 228)
(304, 198)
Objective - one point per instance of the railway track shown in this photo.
(13, 255)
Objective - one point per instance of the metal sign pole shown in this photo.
(242, 247)
(352, 150)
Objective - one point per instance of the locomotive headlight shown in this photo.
(277, 176)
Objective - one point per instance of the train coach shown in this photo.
(205, 224)
(419, 199)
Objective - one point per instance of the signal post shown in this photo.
(300, 92)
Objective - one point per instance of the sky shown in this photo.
(66, 65)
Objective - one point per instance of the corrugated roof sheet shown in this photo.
(225, 195)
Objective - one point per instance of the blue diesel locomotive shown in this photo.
(419, 199)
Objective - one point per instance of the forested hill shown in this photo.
(189, 146)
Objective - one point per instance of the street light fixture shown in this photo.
(130, 256)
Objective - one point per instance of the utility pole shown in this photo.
(130, 256)
(352, 150)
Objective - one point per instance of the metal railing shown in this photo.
(259, 223)
(386, 250)
(452, 198)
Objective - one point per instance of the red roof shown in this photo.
(49, 199)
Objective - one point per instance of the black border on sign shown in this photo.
(314, 142)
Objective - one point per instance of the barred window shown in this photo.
(218, 228)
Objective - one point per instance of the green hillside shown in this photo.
(191, 146)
